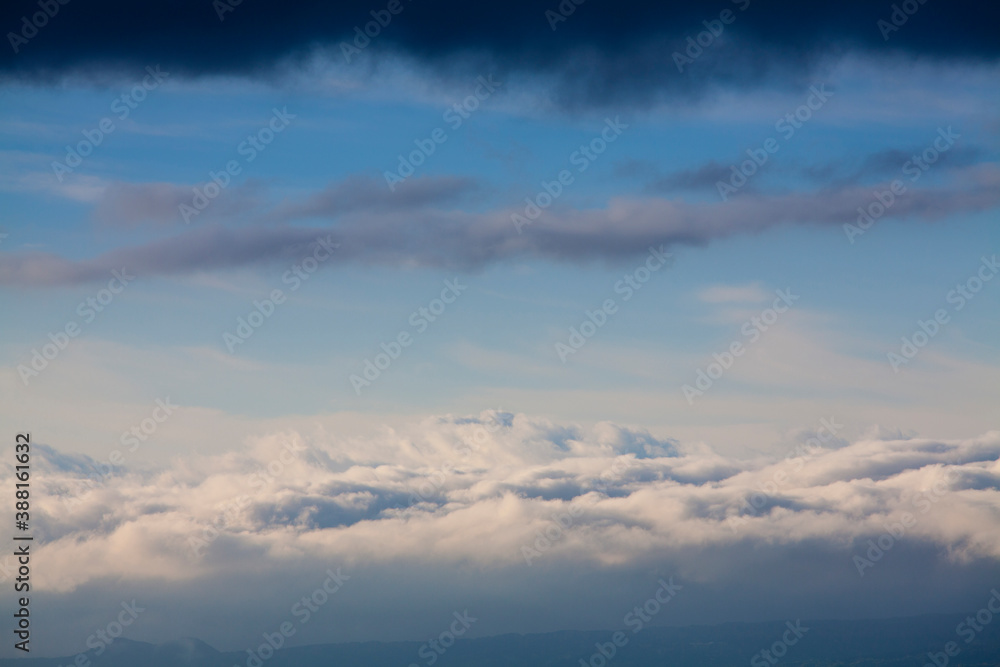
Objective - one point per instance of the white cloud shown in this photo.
(484, 486)
(423, 504)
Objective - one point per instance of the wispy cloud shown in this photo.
(371, 232)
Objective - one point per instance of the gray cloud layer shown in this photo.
(424, 233)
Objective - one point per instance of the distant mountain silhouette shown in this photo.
(898, 642)
(188, 651)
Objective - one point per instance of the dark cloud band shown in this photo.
(600, 49)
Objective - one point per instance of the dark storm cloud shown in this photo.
(605, 49)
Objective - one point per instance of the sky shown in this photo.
(712, 283)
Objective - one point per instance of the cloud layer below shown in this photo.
(463, 508)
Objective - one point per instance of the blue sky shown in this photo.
(498, 340)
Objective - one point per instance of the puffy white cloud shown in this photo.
(513, 498)
(478, 489)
